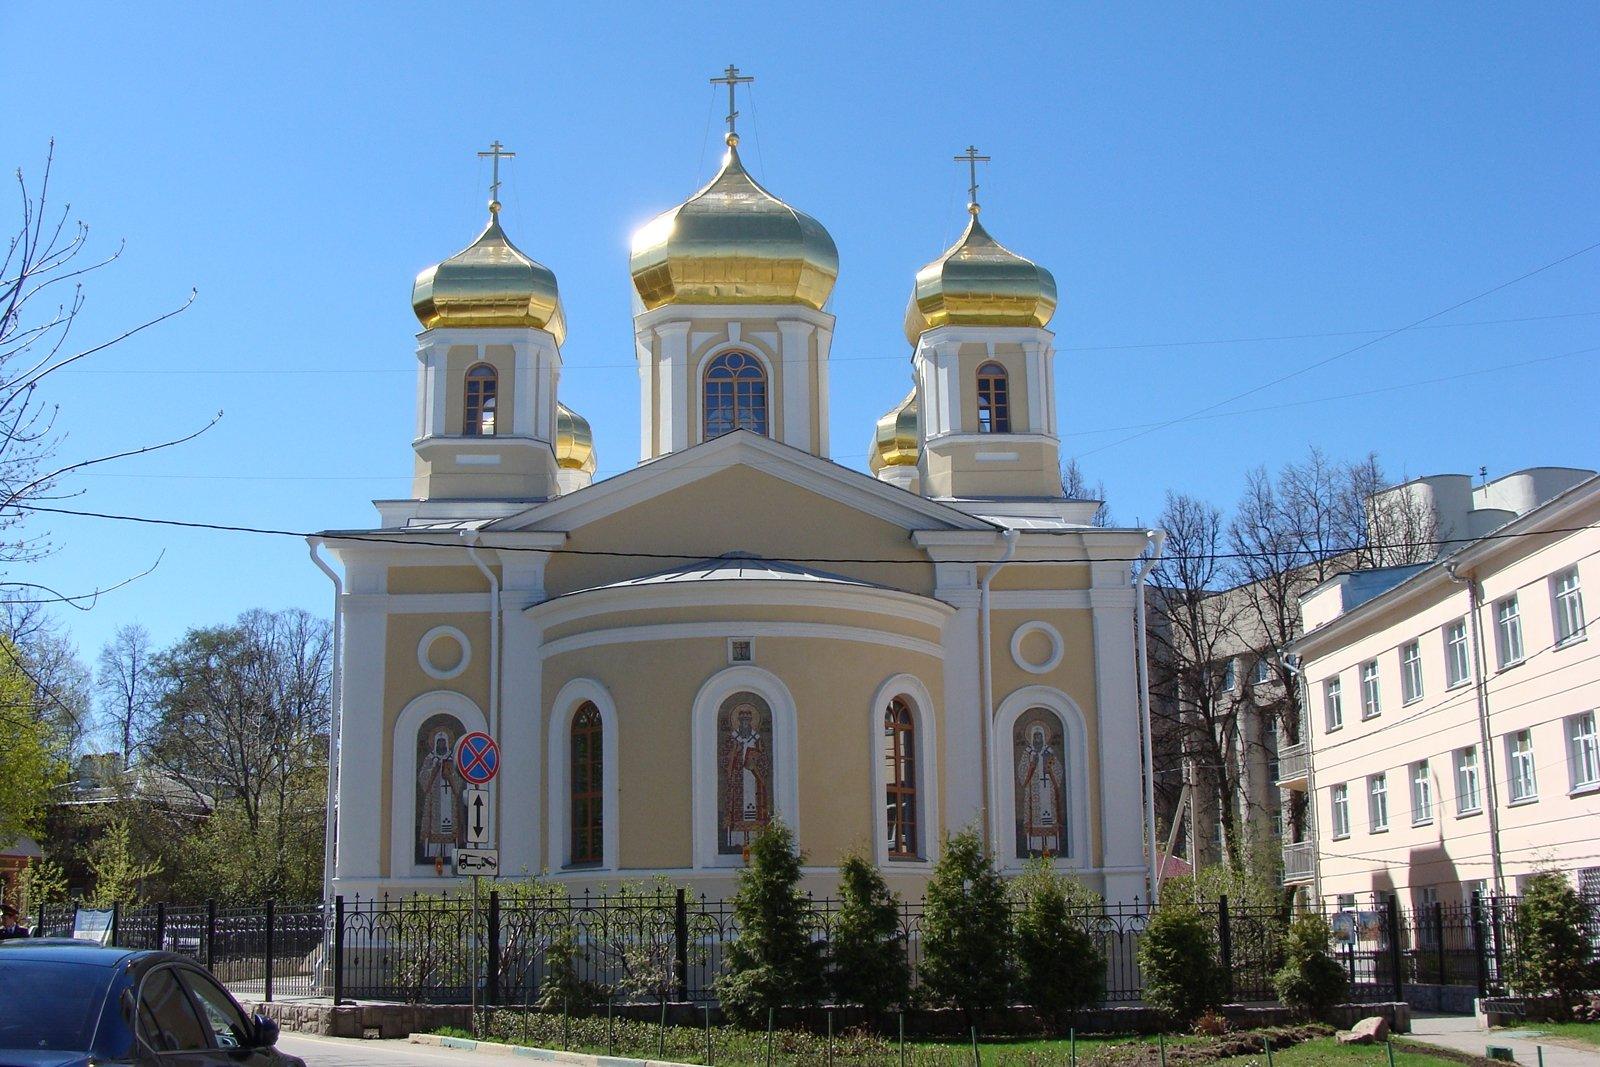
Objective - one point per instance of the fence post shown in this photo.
(267, 950)
(1395, 959)
(680, 945)
(1225, 943)
(1497, 931)
(1438, 940)
(1479, 948)
(211, 935)
(116, 923)
(161, 927)
(491, 989)
(338, 950)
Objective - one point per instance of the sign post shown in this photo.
(478, 760)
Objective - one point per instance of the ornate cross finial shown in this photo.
(732, 78)
(496, 152)
(971, 158)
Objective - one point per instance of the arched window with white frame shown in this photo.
(586, 786)
(905, 791)
(482, 391)
(994, 399)
(734, 395)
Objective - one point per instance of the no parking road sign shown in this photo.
(478, 758)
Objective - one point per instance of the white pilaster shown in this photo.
(520, 796)
(525, 392)
(794, 355)
(361, 736)
(672, 395)
(957, 585)
(1121, 778)
(644, 349)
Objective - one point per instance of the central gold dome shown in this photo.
(979, 282)
(733, 243)
(489, 283)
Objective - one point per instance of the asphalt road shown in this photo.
(346, 1052)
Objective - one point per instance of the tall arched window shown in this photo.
(994, 399)
(900, 780)
(440, 827)
(478, 415)
(735, 395)
(587, 783)
(1039, 749)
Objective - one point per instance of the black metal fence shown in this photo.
(523, 940)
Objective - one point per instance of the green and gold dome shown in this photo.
(489, 283)
(897, 438)
(979, 282)
(733, 243)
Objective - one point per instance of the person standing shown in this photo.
(10, 924)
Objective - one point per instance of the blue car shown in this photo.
(66, 1003)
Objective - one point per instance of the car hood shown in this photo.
(10, 1057)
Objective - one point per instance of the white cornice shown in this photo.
(682, 312)
(734, 628)
(753, 593)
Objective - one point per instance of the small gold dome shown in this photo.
(489, 283)
(733, 243)
(574, 441)
(896, 439)
(979, 282)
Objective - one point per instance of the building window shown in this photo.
(1456, 668)
(900, 780)
(1230, 676)
(1039, 752)
(483, 384)
(1370, 708)
(1567, 600)
(1346, 902)
(440, 804)
(1410, 672)
(744, 771)
(1339, 796)
(1583, 751)
(586, 783)
(1519, 757)
(1468, 796)
(1421, 793)
(1263, 669)
(1508, 631)
(1378, 802)
(1332, 705)
(735, 395)
(994, 399)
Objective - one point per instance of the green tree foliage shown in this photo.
(1179, 963)
(32, 751)
(1552, 957)
(118, 875)
(41, 882)
(1061, 970)
(1311, 980)
(966, 935)
(867, 964)
(775, 961)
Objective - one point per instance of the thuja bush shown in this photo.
(867, 950)
(1311, 980)
(1061, 970)
(966, 929)
(775, 961)
(1178, 962)
(1552, 958)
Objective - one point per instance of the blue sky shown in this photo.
(1190, 174)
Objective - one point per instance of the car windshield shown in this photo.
(49, 1006)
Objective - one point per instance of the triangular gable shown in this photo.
(848, 487)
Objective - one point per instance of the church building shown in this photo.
(737, 629)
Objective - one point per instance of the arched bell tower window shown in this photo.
(587, 783)
(478, 416)
(900, 780)
(994, 399)
(735, 395)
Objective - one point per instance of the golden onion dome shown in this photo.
(733, 243)
(574, 441)
(979, 282)
(489, 283)
(897, 438)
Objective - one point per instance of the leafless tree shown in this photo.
(128, 687)
(1075, 486)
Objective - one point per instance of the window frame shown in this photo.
(901, 788)
(1468, 765)
(1410, 672)
(1566, 607)
(193, 981)
(742, 393)
(586, 721)
(1378, 802)
(1508, 644)
(480, 394)
(1332, 704)
(1457, 671)
(1421, 793)
(1583, 752)
(994, 398)
(1339, 810)
(1371, 691)
(1522, 776)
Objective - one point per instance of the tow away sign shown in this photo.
(478, 861)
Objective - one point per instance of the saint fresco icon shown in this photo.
(1041, 809)
(744, 771)
(440, 826)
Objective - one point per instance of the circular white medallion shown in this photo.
(1037, 647)
(443, 652)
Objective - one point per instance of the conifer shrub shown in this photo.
(1311, 980)
(867, 952)
(1061, 970)
(775, 961)
(966, 929)
(1552, 954)
(1178, 962)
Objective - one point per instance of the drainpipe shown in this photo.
(1480, 688)
(1296, 667)
(986, 668)
(470, 539)
(1154, 540)
(335, 711)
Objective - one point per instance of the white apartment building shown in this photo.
(1452, 745)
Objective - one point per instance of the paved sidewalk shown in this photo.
(1462, 1033)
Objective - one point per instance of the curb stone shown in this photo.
(544, 1055)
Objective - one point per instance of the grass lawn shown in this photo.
(1588, 1033)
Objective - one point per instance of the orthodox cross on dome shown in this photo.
(496, 152)
(732, 78)
(971, 158)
